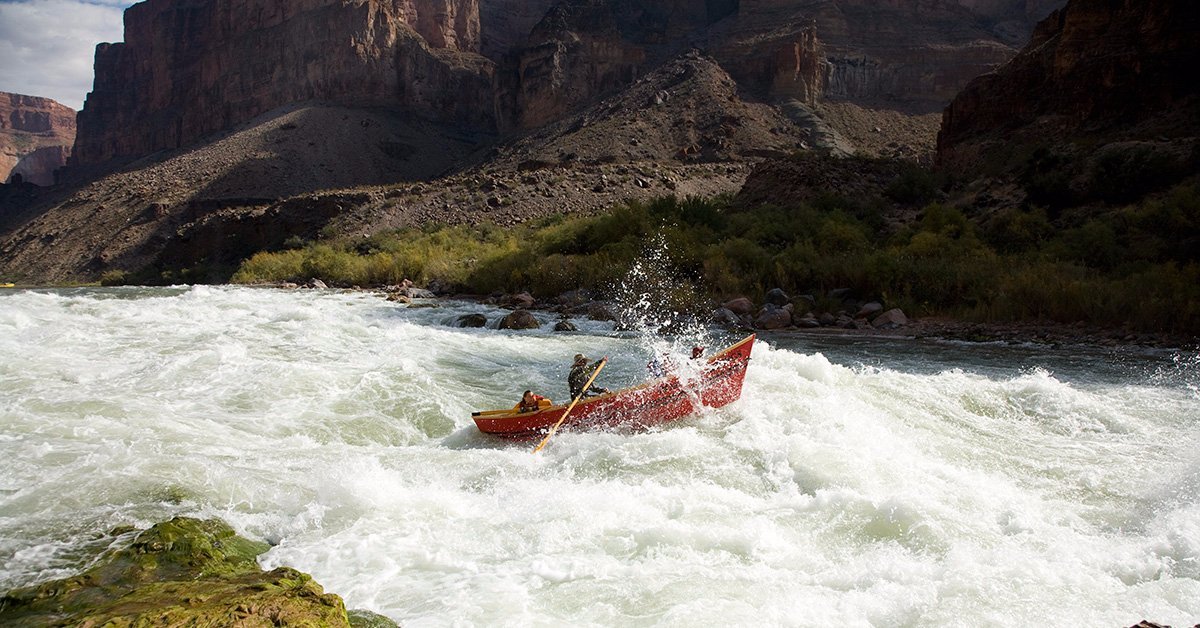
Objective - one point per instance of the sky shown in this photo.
(47, 47)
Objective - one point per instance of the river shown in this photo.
(859, 481)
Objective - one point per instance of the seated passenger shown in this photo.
(531, 402)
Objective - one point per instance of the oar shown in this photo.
(554, 428)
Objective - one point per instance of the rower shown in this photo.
(578, 378)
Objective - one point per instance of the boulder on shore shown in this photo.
(777, 296)
(183, 572)
(773, 317)
(726, 318)
(890, 319)
(518, 301)
(807, 321)
(740, 306)
(869, 309)
(574, 298)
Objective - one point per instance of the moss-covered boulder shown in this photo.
(184, 572)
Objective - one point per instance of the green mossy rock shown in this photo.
(184, 572)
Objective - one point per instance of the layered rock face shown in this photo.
(583, 49)
(506, 23)
(1091, 66)
(36, 135)
(905, 52)
(189, 68)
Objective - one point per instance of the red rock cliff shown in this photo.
(1093, 65)
(35, 137)
(902, 51)
(189, 68)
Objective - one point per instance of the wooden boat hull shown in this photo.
(655, 402)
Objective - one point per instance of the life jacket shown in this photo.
(541, 401)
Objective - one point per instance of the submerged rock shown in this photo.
(519, 319)
(598, 311)
(184, 572)
(472, 320)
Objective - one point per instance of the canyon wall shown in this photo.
(1110, 69)
(36, 135)
(905, 53)
(189, 68)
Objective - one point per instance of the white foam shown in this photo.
(338, 426)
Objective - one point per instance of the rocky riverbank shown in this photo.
(837, 312)
(183, 572)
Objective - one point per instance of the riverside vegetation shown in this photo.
(1136, 265)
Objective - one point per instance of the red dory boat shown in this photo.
(657, 401)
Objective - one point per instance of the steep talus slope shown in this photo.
(125, 220)
(681, 129)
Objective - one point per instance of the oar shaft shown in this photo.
(588, 385)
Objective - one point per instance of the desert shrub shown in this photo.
(271, 267)
(1172, 222)
(332, 264)
(839, 234)
(1018, 229)
(1094, 243)
(1122, 174)
(114, 278)
(711, 214)
(914, 186)
(1134, 264)
(1046, 179)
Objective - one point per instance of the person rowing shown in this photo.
(578, 378)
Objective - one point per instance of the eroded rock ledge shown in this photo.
(183, 572)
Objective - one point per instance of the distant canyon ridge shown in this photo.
(36, 135)
(218, 127)
(191, 68)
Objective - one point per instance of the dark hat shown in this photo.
(579, 357)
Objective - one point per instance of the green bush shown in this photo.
(1018, 229)
(1137, 264)
(914, 186)
(1046, 179)
(114, 278)
(1122, 174)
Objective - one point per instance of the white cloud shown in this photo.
(47, 47)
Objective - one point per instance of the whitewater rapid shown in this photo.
(861, 482)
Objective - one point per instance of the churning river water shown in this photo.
(858, 481)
